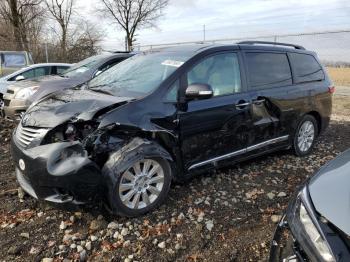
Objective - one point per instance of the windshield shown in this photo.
(82, 66)
(139, 75)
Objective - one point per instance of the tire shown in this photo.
(305, 136)
(125, 173)
(2, 112)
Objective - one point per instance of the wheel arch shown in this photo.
(318, 118)
(166, 139)
(119, 161)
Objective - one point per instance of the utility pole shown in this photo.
(46, 53)
(203, 33)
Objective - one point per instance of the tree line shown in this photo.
(55, 29)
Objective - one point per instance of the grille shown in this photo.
(9, 91)
(25, 135)
(6, 102)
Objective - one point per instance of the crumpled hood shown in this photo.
(60, 107)
(330, 192)
(57, 83)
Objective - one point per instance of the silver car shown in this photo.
(30, 72)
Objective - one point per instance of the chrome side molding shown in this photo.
(240, 152)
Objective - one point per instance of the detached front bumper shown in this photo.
(58, 172)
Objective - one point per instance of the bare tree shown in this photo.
(20, 14)
(61, 11)
(84, 41)
(132, 15)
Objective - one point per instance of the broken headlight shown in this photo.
(70, 130)
(77, 131)
(305, 227)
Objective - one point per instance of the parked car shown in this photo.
(20, 95)
(316, 224)
(166, 115)
(30, 72)
(11, 61)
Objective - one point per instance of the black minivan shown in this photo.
(166, 114)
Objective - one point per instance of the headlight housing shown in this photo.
(305, 228)
(26, 92)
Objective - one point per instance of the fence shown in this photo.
(332, 47)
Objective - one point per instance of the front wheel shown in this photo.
(305, 136)
(142, 185)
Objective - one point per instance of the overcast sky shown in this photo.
(183, 20)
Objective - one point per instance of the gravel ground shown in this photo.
(227, 215)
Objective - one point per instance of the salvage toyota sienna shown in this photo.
(167, 114)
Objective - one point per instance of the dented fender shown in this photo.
(135, 149)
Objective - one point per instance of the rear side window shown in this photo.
(306, 68)
(61, 69)
(267, 70)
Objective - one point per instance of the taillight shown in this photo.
(331, 89)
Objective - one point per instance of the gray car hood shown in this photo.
(60, 107)
(330, 191)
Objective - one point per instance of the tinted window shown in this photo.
(29, 74)
(268, 70)
(61, 69)
(41, 71)
(14, 60)
(36, 72)
(220, 71)
(306, 68)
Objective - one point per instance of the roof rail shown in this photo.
(120, 52)
(270, 43)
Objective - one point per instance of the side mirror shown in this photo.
(98, 72)
(199, 91)
(20, 78)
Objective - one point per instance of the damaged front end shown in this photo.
(63, 163)
(60, 172)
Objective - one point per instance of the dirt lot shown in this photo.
(340, 76)
(229, 215)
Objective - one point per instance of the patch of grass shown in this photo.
(339, 76)
(341, 105)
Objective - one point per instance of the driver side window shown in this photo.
(220, 71)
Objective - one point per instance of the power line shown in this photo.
(251, 37)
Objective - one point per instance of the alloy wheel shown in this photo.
(141, 184)
(306, 136)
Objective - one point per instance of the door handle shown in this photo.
(242, 105)
(259, 101)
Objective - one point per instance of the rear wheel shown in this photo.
(305, 136)
(141, 186)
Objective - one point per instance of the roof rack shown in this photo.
(270, 43)
(120, 52)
